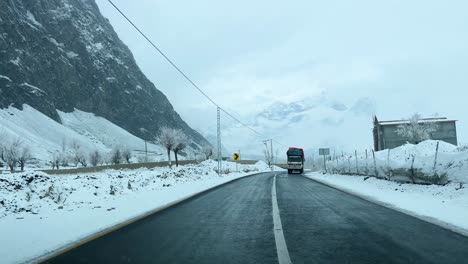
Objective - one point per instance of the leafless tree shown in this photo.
(57, 159)
(116, 156)
(24, 156)
(126, 154)
(78, 154)
(181, 142)
(167, 139)
(207, 151)
(416, 129)
(95, 158)
(10, 153)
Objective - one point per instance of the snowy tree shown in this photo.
(416, 129)
(207, 151)
(24, 156)
(57, 159)
(167, 139)
(126, 154)
(116, 156)
(10, 153)
(180, 143)
(79, 156)
(95, 158)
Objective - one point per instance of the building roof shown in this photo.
(422, 120)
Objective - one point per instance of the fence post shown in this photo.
(435, 159)
(357, 167)
(412, 167)
(375, 163)
(367, 165)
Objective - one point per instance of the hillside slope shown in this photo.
(64, 55)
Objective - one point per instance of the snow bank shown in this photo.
(446, 205)
(41, 213)
(397, 164)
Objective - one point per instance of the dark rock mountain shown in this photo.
(63, 54)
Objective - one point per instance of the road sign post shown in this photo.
(324, 152)
(236, 157)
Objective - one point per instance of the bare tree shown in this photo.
(24, 156)
(167, 139)
(207, 151)
(268, 156)
(181, 142)
(78, 155)
(116, 156)
(10, 153)
(95, 158)
(57, 159)
(126, 155)
(416, 129)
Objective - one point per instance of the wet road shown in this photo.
(234, 224)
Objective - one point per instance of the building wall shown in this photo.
(388, 138)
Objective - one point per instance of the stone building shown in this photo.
(386, 136)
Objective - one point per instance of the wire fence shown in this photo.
(401, 166)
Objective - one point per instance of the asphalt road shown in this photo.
(234, 224)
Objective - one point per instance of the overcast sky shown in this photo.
(406, 56)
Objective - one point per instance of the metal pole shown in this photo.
(272, 156)
(324, 163)
(219, 140)
(435, 159)
(146, 152)
(357, 166)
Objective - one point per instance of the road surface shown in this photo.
(236, 223)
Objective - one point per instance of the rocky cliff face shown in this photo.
(63, 54)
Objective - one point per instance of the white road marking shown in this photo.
(281, 248)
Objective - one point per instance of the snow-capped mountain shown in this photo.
(58, 56)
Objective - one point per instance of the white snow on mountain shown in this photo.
(44, 136)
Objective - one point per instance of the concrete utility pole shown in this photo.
(272, 156)
(146, 152)
(219, 140)
(271, 151)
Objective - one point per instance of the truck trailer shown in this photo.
(295, 160)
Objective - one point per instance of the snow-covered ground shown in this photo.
(452, 162)
(44, 136)
(41, 213)
(446, 205)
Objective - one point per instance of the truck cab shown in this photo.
(295, 160)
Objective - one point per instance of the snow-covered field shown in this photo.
(446, 205)
(452, 162)
(41, 213)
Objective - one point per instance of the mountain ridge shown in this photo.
(61, 55)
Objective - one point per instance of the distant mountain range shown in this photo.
(314, 122)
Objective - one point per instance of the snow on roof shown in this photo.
(422, 120)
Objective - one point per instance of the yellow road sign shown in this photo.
(236, 156)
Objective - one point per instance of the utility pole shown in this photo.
(146, 152)
(272, 156)
(219, 140)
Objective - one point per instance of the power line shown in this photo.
(184, 75)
